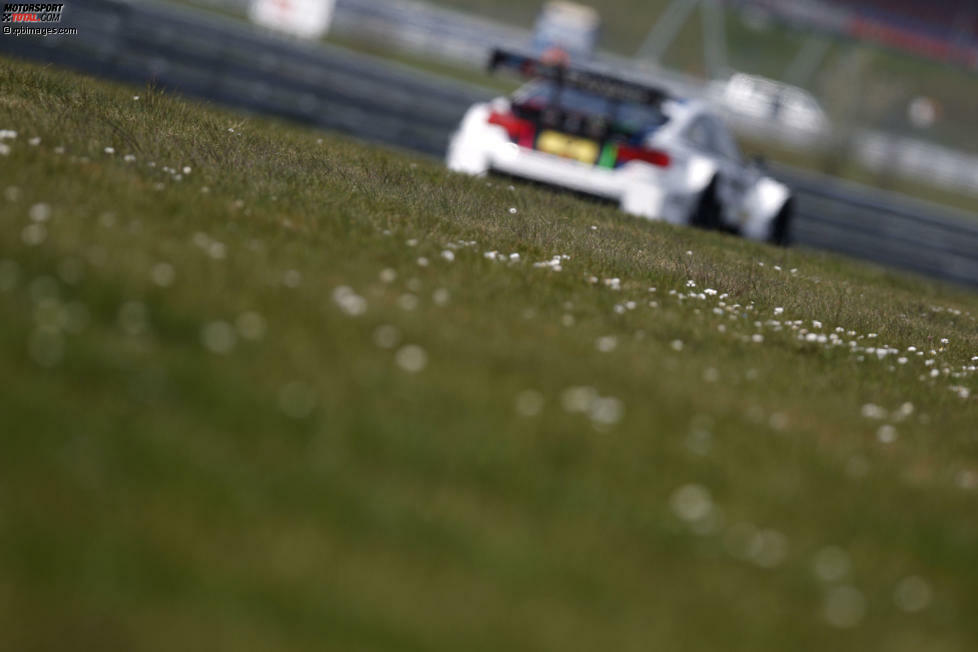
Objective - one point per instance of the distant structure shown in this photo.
(568, 28)
(302, 18)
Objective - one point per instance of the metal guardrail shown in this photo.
(236, 64)
(883, 227)
(233, 63)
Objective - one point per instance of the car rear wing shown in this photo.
(614, 88)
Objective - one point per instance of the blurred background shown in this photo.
(890, 84)
(862, 106)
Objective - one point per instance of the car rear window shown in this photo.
(628, 116)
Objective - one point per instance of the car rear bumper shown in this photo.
(639, 188)
(517, 161)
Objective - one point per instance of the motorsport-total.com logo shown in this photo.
(31, 12)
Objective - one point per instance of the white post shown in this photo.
(714, 39)
(664, 32)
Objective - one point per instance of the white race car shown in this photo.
(657, 156)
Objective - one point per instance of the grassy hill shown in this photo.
(272, 389)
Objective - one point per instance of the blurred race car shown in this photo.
(771, 102)
(657, 156)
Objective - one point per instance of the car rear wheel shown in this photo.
(781, 226)
(706, 215)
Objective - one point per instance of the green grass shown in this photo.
(173, 476)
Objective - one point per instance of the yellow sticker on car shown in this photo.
(579, 149)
